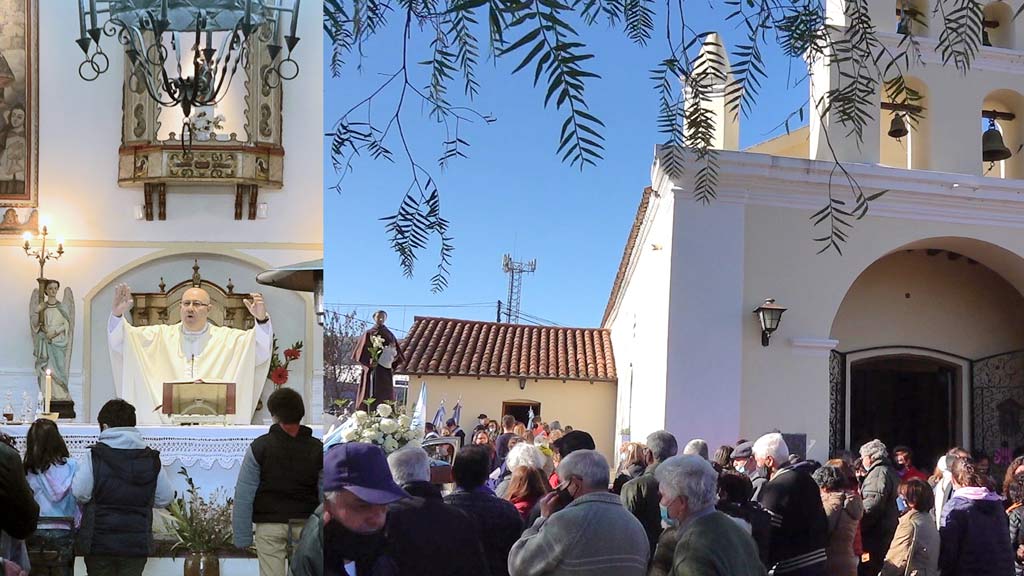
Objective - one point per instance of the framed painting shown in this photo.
(19, 113)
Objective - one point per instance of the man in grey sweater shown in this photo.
(583, 529)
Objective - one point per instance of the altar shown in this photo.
(211, 455)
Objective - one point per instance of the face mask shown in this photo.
(665, 519)
(900, 467)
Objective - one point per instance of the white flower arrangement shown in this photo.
(386, 426)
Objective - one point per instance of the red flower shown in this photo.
(292, 354)
(279, 376)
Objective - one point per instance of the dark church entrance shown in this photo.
(910, 401)
(521, 410)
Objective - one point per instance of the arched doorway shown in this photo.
(925, 338)
(909, 400)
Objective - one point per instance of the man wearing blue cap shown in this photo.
(357, 490)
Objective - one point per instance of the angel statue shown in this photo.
(53, 330)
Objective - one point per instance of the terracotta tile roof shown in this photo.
(452, 347)
(627, 254)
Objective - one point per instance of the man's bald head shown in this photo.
(195, 307)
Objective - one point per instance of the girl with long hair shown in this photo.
(50, 470)
(525, 489)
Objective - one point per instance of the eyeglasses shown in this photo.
(193, 304)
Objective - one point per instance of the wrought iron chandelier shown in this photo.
(193, 73)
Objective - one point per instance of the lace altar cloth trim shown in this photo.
(187, 446)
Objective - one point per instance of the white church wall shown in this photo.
(640, 326)
(78, 155)
(786, 384)
(706, 311)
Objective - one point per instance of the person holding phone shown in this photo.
(583, 528)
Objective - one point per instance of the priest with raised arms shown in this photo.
(144, 357)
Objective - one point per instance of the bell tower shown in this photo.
(970, 119)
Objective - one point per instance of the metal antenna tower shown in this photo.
(515, 271)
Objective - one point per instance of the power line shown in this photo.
(468, 304)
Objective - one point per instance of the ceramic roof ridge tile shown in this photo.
(456, 347)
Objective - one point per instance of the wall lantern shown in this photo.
(769, 314)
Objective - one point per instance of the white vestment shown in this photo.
(144, 357)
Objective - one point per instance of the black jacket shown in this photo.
(289, 475)
(760, 524)
(369, 552)
(118, 521)
(640, 496)
(799, 524)
(1016, 519)
(19, 511)
(434, 538)
(633, 472)
(499, 521)
(881, 516)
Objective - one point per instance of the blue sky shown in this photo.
(513, 195)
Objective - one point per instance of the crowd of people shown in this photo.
(101, 506)
(528, 505)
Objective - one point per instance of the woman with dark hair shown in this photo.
(723, 458)
(632, 465)
(1015, 514)
(1016, 467)
(915, 546)
(525, 489)
(974, 527)
(49, 470)
(482, 438)
(735, 491)
(844, 509)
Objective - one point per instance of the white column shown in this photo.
(706, 312)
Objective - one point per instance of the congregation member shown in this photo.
(915, 546)
(843, 511)
(974, 532)
(358, 488)
(734, 492)
(799, 527)
(50, 471)
(1015, 467)
(1015, 516)
(452, 428)
(499, 521)
(522, 454)
(278, 482)
(19, 511)
(903, 457)
(942, 481)
(583, 529)
(722, 460)
(118, 483)
(525, 489)
(632, 463)
(308, 556)
(572, 441)
(697, 447)
(708, 542)
(508, 430)
(878, 489)
(640, 496)
(435, 539)
(481, 423)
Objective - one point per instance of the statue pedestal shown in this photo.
(66, 408)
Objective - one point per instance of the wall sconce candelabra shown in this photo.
(41, 253)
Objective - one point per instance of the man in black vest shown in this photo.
(119, 484)
(279, 482)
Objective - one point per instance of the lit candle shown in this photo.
(295, 18)
(27, 237)
(49, 390)
(60, 245)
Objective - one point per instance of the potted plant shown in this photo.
(202, 526)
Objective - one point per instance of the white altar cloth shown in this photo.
(212, 455)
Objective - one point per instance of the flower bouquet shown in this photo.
(385, 426)
(278, 367)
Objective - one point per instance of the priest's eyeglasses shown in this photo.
(193, 304)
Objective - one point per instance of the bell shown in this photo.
(898, 128)
(992, 147)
